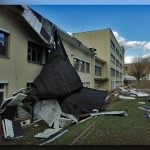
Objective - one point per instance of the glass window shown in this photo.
(76, 64)
(87, 67)
(117, 74)
(35, 52)
(87, 84)
(3, 44)
(97, 71)
(97, 86)
(117, 63)
(82, 66)
(1, 92)
(112, 72)
(112, 59)
(112, 45)
(83, 83)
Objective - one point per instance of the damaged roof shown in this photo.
(43, 26)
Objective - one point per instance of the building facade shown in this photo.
(110, 52)
(23, 54)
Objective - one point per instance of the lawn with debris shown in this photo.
(113, 130)
(133, 129)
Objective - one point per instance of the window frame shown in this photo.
(4, 39)
(38, 53)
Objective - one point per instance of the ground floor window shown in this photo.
(86, 84)
(97, 86)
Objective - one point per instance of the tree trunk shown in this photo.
(138, 83)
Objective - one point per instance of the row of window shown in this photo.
(81, 65)
(116, 50)
(115, 61)
(116, 73)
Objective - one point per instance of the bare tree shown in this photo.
(139, 68)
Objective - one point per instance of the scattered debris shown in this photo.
(141, 103)
(120, 113)
(55, 136)
(46, 133)
(126, 97)
(147, 115)
(146, 108)
(25, 122)
(12, 129)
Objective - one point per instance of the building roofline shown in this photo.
(64, 35)
(109, 29)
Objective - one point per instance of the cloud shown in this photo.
(144, 45)
(128, 59)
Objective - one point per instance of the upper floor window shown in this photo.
(3, 44)
(82, 66)
(112, 45)
(117, 63)
(76, 64)
(112, 59)
(97, 71)
(87, 67)
(117, 52)
(112, 72)
(35, 53)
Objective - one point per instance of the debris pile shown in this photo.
(57, 97)
(128, 93)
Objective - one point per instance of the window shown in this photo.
(117, 74)
(35, 53)
(76, 64)
(29, 84)
(112, 45)
(112, 59)
(97, 71)
(83, 83)
(120, 75)
(82, 66)
(87, 84)
(117, 52)
(112, 72)
(120, 66)
(3, 44)
(87, 67)
(1, 92)
(97, 86)
(117, 63)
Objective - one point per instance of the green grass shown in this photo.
(109, 130)
(116, 130)
(113, 130)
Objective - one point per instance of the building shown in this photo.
(109, 70)
(24, 49)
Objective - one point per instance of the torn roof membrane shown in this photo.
(43, 26)
(37, 22)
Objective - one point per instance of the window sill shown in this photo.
(35, 63)
(5, 57)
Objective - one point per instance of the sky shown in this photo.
(128, 19)
(129, 23)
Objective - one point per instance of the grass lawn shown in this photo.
(113, 130)
(108, 130)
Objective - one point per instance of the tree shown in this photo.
(139, 68)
